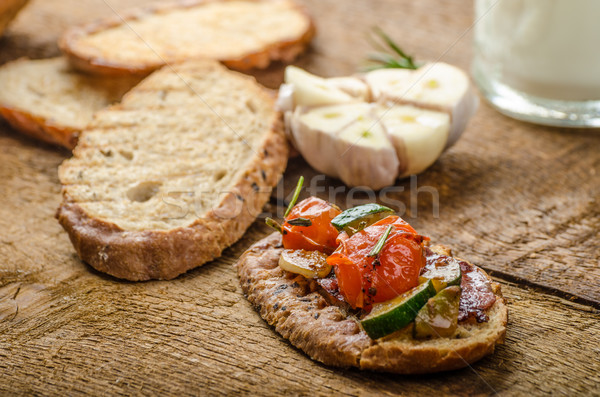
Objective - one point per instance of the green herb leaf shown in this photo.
(274, 224)
(295, 197)
(300, 222)
(391, 56)
(379, 246)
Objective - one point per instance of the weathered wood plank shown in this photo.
(515, 198)
(78, 331)
(88, 334)
(543, 227)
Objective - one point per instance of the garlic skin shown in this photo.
(367, 157)
(285, 98)
(347, 142)
(371, 129)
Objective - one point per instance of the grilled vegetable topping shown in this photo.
(308, 226)
(380, 267)
(357, 218)
(477, 296)
(443, 270)
(364, 280)
(310, 264)
(439, 317)
(295, 196)
(397, 313)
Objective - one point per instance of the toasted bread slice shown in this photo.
(243, 34)
(174, 174)
(8, 11)
(46, 99)
(328, 334)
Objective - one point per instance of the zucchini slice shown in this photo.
(387, 317)
(443, 274)
(310, 264)
(357, 218)
(439, 317)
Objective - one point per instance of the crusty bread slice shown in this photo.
(46, 99)
(327, 334)
(243, 34)
(174, 174)
(8, 11)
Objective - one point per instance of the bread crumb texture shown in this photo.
(174, 174)
(247, 33)
(167, 154)
(52, 92)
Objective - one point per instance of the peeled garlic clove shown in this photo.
(436, 86)
(388, 83)
(450, 88)
(333, 118)
(366, 156)
(352, 86)
(310, 90)
(418, 135)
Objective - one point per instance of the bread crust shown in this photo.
(330, 336)
(284, 51)
(8, 11)
(36, 95)
(165, 254)
(40, 128)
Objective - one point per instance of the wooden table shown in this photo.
(521, 201)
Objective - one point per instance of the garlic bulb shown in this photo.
(369, 130)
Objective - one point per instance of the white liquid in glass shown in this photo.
(539, 60)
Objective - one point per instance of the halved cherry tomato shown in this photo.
(365, 280)
(320, 235)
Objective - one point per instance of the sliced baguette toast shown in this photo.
(330, 335)
(174, 174)
(8, 11)
(243, 34)
(48, 100)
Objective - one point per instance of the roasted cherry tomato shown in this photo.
(364, 280)
(316, 234)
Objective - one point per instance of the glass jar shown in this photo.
(539, 60)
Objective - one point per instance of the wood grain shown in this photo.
(517, 199)
(90, 334)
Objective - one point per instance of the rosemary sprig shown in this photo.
(390, 56)
(295, 197)
(274, 224)
(379, 246)
(300, 222)
(295, 222)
